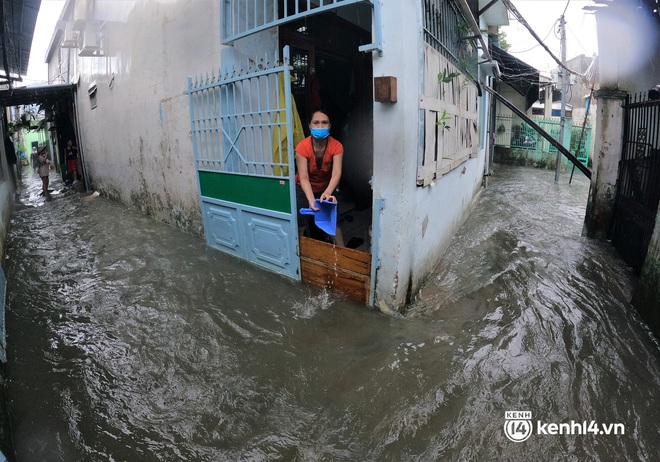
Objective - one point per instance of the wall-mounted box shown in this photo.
(385, 89)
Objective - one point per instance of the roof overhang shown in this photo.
(46, 95)
(19, 18)
(518, 75)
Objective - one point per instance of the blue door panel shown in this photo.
(223, 229)
(261, 236)
(269, 240)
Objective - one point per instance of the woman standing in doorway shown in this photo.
(43, 168)
(318, 161)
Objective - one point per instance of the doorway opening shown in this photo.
(331, 74)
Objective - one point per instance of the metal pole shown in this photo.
(564, 89)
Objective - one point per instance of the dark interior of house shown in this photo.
(332, 75)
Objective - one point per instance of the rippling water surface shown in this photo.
(131, 341)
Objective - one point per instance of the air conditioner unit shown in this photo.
(90, 44)
(70, 39)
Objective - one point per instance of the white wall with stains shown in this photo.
(417, 222)
(136, 141)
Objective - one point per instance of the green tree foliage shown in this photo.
(504, 45)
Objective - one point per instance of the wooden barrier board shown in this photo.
(336, 268)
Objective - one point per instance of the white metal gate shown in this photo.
(243, 147)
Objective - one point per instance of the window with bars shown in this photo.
(447, 30)
(245, 17)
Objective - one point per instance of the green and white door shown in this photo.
(241, 141)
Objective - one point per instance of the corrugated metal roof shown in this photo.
(38, 94)
(19, 18)
(517, 74)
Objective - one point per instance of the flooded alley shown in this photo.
(129, 340)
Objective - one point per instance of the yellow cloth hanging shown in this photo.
(280, 145)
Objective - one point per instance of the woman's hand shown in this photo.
(328, 197)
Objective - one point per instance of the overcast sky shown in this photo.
(542, 16)
(49, 13)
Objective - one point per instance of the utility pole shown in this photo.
(563, 76)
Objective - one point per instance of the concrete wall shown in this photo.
(6, 198)
(137, 146)
(417, 222)
(6, 209)
(627, 65)
(605, 168)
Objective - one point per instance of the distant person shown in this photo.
(43, 168)
(72, 160)
(10, 152)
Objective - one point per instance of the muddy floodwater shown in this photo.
(129, 340)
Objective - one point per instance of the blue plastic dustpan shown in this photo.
(325, 217)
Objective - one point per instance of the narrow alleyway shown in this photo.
(129, 340)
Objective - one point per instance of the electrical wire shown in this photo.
(530, 49)
(519, 17)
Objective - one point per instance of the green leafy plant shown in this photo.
(443, 120)
(446, 77)
(28, 120)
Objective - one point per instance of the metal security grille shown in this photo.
(241, 18)
(242, 136)
(447, 30)
(638, 185)
(237, 119)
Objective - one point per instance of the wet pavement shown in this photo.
(129, 340)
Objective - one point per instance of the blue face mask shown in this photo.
(320, 133)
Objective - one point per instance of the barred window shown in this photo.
(447, 30)
(245, 17)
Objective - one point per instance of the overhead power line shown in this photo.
(519, 17)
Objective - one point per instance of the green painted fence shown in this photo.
(512, 132)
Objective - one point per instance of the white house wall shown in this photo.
(136, 142)
(417, 223)
(511, 95)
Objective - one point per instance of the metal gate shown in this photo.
(241, 143)
(638, 185)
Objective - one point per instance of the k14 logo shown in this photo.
(518, 425)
